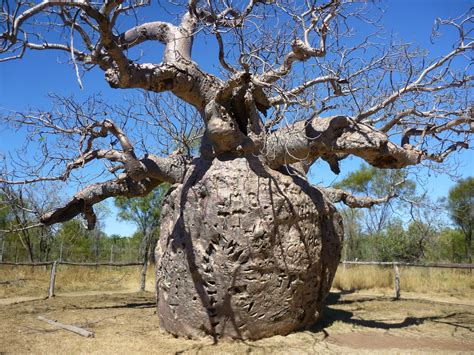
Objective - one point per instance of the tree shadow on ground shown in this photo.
(331, 315)
(126, 305)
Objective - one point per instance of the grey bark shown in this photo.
(245, 252)
(52, 280)
(397, 282)
(143, 273)
(333, 138)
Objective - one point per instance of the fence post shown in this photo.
(397, 281)
(143, 275)
(3, 247)
(52, 280)
(111, 253)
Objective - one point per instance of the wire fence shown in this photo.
(395, 265)
(398, 263)
(54, 269)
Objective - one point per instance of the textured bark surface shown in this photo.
(245, 252)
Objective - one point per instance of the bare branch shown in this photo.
(293, 93)
(228, 17)
(159, 170)
(318, 137)
(301, 50)
(339, 195)
(418, 84)
(21, 229)
(158, 31)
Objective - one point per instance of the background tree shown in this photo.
(23, 206)
(449, 246)
(144, 212)
(74, 244)
(243, 221)
(353, 243)
(461, 206)
(384, 185)
(364, 227)
(400, 227)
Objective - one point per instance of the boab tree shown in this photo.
(248, 247)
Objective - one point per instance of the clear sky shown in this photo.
(25, 83)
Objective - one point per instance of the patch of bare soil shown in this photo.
(127, 323)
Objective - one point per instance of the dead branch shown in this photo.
(68, 327)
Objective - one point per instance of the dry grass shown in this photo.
(34, 281)
(453, 282)
(29, 281)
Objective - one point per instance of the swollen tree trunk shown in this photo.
(245, 251)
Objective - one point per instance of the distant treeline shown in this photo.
(71, 242)
(407, 227)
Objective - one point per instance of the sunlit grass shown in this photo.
(454, 282)
(29, 281)
(34, 281)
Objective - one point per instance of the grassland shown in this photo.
(34, 281)
(29, 281)
(447, 282)
(434, 315)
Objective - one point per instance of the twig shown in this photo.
(71, 328)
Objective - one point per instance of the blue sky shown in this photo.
(25, 83)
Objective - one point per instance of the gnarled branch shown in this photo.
(340, 195)
(158, 170)
(320, 137)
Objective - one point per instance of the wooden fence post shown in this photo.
(3, 248)
(52, 279)
(143, 275)
(397, 281)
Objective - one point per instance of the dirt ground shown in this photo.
(127, 323)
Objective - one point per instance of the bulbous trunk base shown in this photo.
(245, 252)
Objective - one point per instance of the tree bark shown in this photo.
(245, 252)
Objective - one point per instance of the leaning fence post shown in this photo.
(397, 281)
(52, 280)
